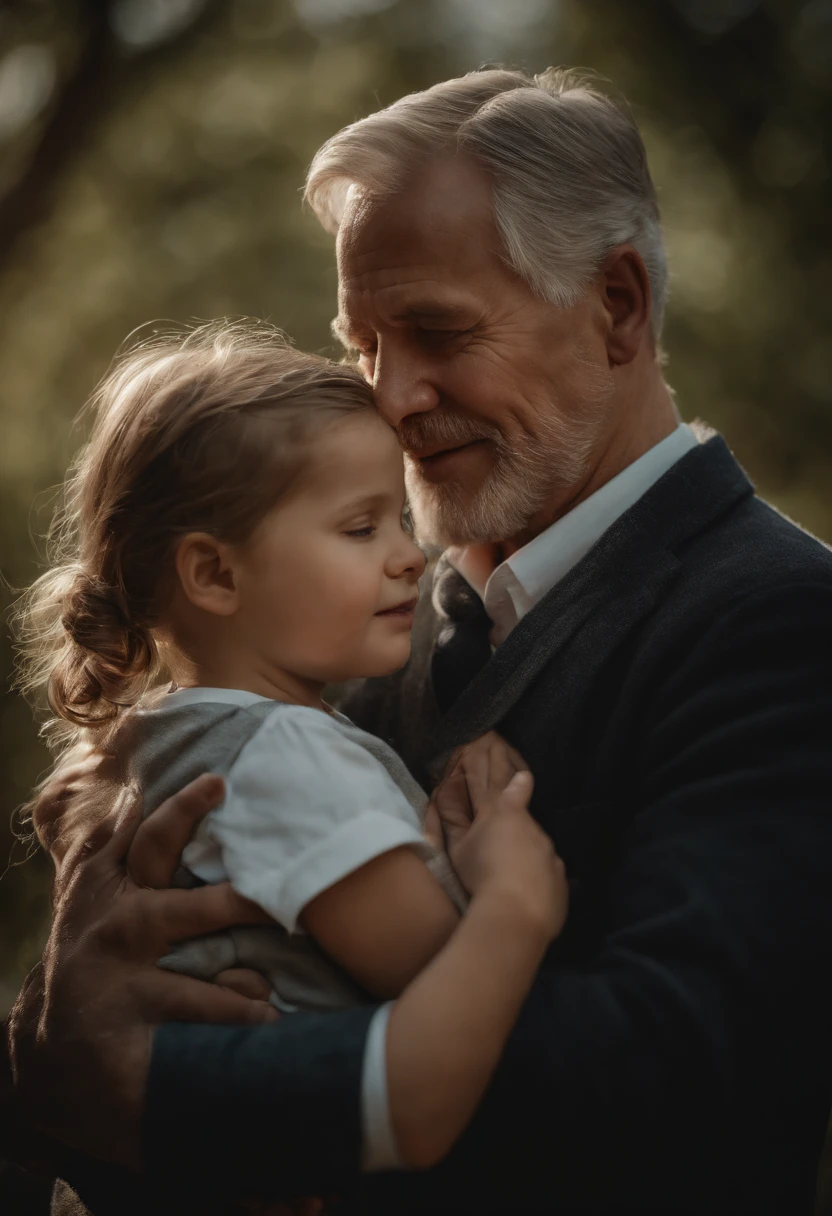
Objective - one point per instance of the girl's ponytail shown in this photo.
(80, 644)
(107, 657)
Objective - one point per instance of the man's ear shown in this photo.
(627, 300)
(205, 568)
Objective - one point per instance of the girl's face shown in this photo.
(328, 581)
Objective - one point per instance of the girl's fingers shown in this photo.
(453, 802)
(433, 826)
(502, 765)
(517, 794)
(503, 760)
(154, 854)
(453, 807)
(514, 756)
(475, 765)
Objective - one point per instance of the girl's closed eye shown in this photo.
(365, 532)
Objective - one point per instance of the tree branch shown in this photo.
(101, 72)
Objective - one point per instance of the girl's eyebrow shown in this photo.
(366, 501)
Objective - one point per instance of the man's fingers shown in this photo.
(76, 767)
(26, 1011)
(75, 777)
(154, 855)
(112, 837)
(174, 915)
(247, 983)
(179, 998)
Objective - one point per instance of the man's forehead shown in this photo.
(443, 216)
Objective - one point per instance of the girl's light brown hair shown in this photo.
(202, 430)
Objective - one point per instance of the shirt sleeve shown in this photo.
(380, 1151)
(305, 806)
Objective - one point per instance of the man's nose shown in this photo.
(401, 386)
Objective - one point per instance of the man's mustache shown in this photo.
(436, 429)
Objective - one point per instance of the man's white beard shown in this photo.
(520, 485)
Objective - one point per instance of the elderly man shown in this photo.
(650, 635)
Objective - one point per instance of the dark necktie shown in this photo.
(462, 646)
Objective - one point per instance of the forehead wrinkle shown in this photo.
(397, 303)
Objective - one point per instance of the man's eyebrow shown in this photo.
(431, 311)
(341, 329)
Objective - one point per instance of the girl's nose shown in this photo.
(409, 560)
(418, 560)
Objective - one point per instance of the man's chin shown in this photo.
(441, 524)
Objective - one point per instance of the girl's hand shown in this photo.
(451, 812)
(503, 849)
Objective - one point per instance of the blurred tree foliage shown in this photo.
(151, 155)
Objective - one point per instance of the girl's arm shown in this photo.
(392, 927)
(448, 1029)
(384, 922)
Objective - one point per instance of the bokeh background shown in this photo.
(151, 159)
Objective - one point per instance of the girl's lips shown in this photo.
(405, 609)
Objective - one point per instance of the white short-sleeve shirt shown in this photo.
(306, 804)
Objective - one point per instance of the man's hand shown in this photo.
(154, 857)
(80, 1032)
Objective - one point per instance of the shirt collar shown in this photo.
(513, 588)
(199, 695)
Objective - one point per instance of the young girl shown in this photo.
(233, 541)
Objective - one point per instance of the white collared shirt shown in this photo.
(508, 593)
(517, 584)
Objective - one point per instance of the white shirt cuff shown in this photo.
(380, 1149)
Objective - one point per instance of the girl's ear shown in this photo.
(205, 568)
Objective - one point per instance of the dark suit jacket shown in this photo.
(673, 697)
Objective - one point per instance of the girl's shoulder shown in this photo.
(300, 732)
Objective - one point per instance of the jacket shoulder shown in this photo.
(754, 548)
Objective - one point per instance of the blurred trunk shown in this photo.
(100, 73)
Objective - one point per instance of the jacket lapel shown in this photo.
(613, 587)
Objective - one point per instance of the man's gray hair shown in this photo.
(568, 164)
